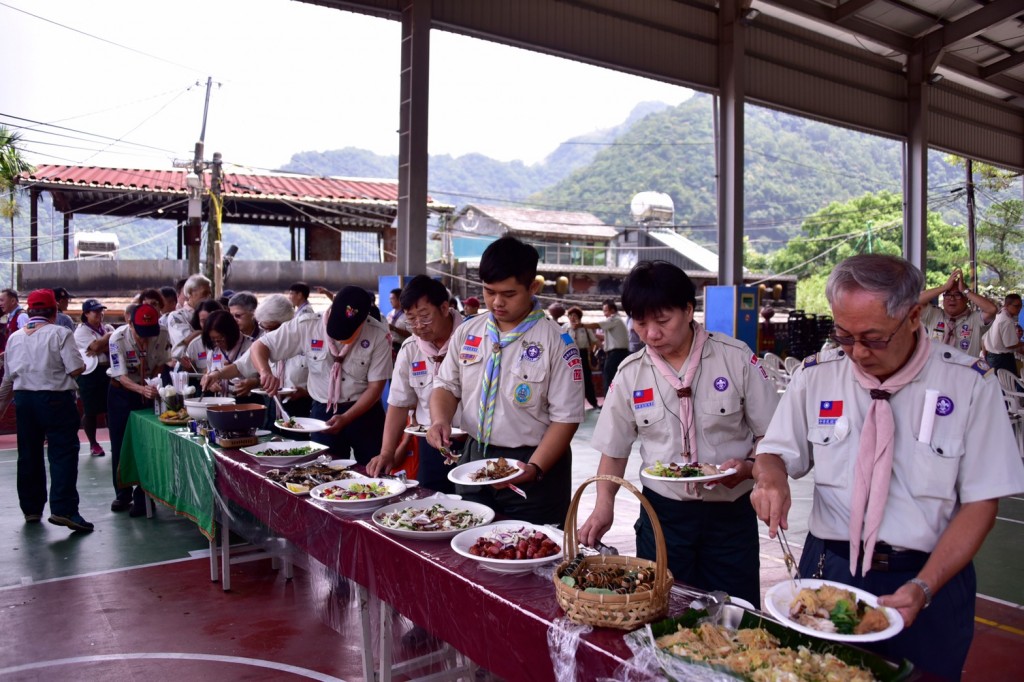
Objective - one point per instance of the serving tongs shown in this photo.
(280, 408)
(787, 555)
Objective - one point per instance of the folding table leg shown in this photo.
(386, 623)
(369, 673)
(225, 552)
(214, 572)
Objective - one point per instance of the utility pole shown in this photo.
(214, 267)
(192, 234)
(972, 237)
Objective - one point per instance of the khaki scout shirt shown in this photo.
(971, 455)
(413, 380)
(369, 358)
(1002, 336)
(126, 355)
(84, 335)
(179, 325)
(204, 358)
(541, 381)
(733, 402)
(43, 360)
(967, 329)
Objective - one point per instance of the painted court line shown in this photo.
(89, 575)
(1003, 518)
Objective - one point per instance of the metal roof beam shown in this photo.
(1002, 65)
(974, 23)
(848, 9)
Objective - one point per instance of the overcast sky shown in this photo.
(288, 77)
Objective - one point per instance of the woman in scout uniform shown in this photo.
(138, 351)
(432, 320)
(93, 340)
(520, 381)
(690, 396)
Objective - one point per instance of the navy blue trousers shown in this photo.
(362, 438)
(941, 635)
(432, 472)
(50, 417)
(120, 404)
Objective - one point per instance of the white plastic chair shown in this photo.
(773, 365)
(1014, 399)
(792, 364)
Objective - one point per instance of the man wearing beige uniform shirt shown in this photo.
(616, 340)
(955, 323)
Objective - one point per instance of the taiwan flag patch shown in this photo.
(829, 411)
(316, 344)
(201, 355)
(643, 398)
(473, 341)
(419, 368)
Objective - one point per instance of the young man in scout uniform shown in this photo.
(911, 449)
(520, 382)
(40, 366)
(138, 351)
(432, 321)
(955, 323)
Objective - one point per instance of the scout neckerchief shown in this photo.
(683, 388)
(954, 322)
(436, 353)
(492, 373)
(34, 324)
(338, 351)
(873, 468)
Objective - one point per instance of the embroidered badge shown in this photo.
(965, 344)
(721, 383)
(571, 353)
(944, 406)
(130, 356)
(352, 312)
(522, 394)
(472, 342)
(981, 367)
(533, 351)
(811, 360)
(829, 411)
(365, 343)
(316, 344)
(754, 359)
(577, 374)
(643, 398)
(419, 368)
(201, 355)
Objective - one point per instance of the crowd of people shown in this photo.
(899, 508)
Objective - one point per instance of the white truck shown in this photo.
(96, 245)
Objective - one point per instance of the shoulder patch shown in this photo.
(824, 356)
(982, 367)
(955, 357)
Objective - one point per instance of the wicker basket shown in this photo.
(622, 611)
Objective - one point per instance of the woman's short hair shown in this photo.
(656, 285)
(196, 282)
(575, 311)
(275, 308)
(221, 321)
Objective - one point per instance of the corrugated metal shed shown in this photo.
(703, 257)
(574, 224)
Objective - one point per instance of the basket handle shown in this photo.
(571, 541)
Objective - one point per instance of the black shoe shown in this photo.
(136, 510)
(120, 505)
(33, 518)
(72, 521)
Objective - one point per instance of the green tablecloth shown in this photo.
(170, 468)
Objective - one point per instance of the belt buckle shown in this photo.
(880, 561)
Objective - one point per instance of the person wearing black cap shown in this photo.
(138, 351)
(348, 355)
(41, 362)
(93, 340)
(64, 297)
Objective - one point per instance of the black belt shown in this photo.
(885, 559)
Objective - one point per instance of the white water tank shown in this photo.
(652, 206)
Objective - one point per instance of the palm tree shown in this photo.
(12, 165)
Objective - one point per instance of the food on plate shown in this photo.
(419, 428)
(677, 470)
(286, 452)
(833, 609)
(174, 415)
(608, 578)
(436, 518)
(493, 470)
(289, 423)
(308, 476)
(356, 491)
(757, 655)
(513, 544)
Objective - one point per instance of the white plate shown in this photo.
(308, 424)
(779, 598)
(473, 507)
(281, 391)
(467, 538)
(261, 432)
(395, 488)
(91, 363)
(461, 473)
(341, 463)
(691, 479)
(416, 431)
(255, 452)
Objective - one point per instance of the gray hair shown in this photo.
(896, 280)
(275, 308)
(196, 282)
(243, 299)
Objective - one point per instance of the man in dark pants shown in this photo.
(40, 362)
(138, 351)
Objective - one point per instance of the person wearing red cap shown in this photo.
(40, 365)
(470, 307)
(138, 351)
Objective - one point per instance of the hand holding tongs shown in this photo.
(787, 555)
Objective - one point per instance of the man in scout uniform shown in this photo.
(179, 323)
(432, 321)
(691, 396)
(955, 323)
(41, 363)
(138, 351)
(348, 355)
(911, 449)
(520, 382)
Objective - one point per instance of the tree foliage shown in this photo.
(1001, 234)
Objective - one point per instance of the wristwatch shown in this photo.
(540, 472)
(924, 588)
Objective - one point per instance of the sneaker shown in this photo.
(33, 518)
(137, 510)
(72, 521)
(97, 451)
(120, 505)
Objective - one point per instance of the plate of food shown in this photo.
(301, 425)
(284, 452)
(174, 417)
(421, 431)
(485, 471)
(831, 610)
(283, 391)
(303, 478)
(358, 494)
(510, 546)
(431, 519)
(680, 472)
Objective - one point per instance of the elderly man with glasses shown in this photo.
(956, 323)
(911, 450)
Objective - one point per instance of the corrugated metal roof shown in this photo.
(687, 248)
(537, 221)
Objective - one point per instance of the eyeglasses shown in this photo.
(873, 344)
(422, 321)
(953, 294)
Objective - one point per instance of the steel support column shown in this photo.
(915, 166)
(731, 90)
(33, 226)
(412, 138)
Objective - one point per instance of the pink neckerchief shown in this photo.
(686, 421)
(338, 350)
(873, 469)
(437, 353)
